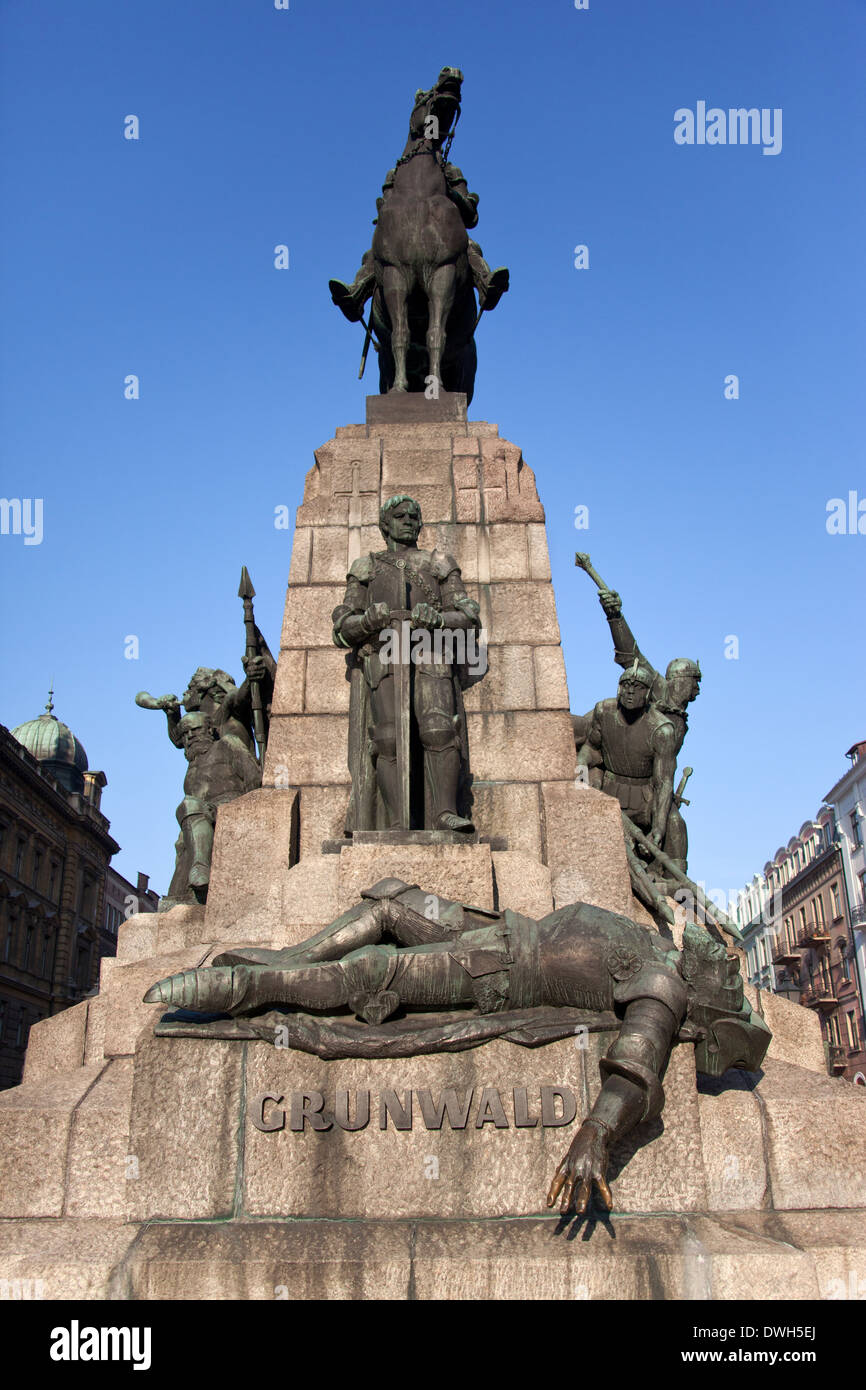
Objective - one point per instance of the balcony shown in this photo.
(813, 936)
(837, 1059)
(820, 996)
(786, 955)
(858, 916)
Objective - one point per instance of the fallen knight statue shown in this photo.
(447, 977)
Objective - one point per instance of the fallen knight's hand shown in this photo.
(584, 1164)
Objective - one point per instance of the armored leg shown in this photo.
(350, 299)
(437, 727)
(384, 736)
(490, 284)
(196, 820)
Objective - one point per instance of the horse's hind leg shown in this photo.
(396, 294)
(441, 287)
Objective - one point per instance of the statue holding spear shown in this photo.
(223, 734)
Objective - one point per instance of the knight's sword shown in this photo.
(400, 620)
(583, 562)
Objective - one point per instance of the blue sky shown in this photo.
(259, 127)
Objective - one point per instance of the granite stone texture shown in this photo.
(183, 1138)
(254, 845)
(462, 872)
(35, 1121)
(56, 1044)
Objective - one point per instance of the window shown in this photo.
(28, 946)
(851, 1030)
(825, 973)
(9, 943)
(833, 1030)
(52, 880)
(803, 923)
(19, 857)
(818, 910)
(37, 866)
(43, 960)
(856, 833)
(863, 889)
(835, 900)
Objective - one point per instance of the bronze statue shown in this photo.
(669, 695)
(422, 266)
(401, 957)
(223, 735)
(412, 634)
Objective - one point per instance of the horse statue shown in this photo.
(422, 268)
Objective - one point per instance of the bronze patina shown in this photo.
(223, 734)
(422, 268)
(405, 972)
(412, 633)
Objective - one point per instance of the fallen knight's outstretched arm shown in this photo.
(632, 1090)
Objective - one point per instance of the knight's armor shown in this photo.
(628, 752)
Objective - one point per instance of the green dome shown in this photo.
(52, 742)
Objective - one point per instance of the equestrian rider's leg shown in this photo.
(396, 293)
(441, 288)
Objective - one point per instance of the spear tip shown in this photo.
(245, 588)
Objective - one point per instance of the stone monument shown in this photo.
(309, 1150)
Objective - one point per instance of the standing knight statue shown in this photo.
(412, 634)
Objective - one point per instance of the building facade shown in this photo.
(848, 799)
(799, 938)
(55, 848)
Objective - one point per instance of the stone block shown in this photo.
(796, 1030)
(289, 682)
(413, 408)
(354, 467)
(35, 1120)
(323, 817)
(508, 683)
(520, 746)
(498, 1261)
(137, 936)
(539, 557)
(435, 500)
(466, 465)
(816, 1137)
(732, 1143)
(126, 1017)
(98, 1169)
(302, 550)
(551, 687)
(509, 552)
(311, 898)
(56, 1044)
(523, 613)
(327, 689)
(659, 1165)
(94, 1043)
(267, 1260)
(585, 846)
(311, 747)
(744, 1256)
(470, 444)
(462, 872)
(522, 883)
(375, 1173)
(461, 542)
(511, 809)
(184, 1131)
(405, 467)
(307, 617)
(254, 845)
(178, 929)
(323, 511)
(467, 505)
(74, 1260)
(330, 562)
